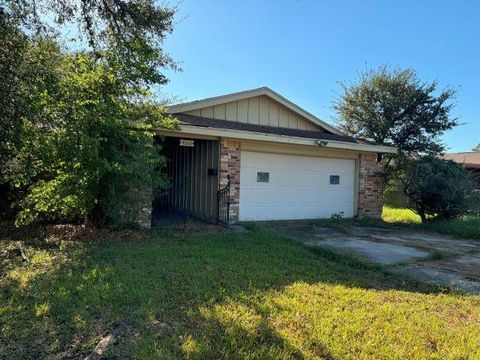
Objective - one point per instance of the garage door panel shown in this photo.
(298, 188)
(292, 196)
(281, 213)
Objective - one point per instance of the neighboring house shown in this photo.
(470, 161)
(284, 163)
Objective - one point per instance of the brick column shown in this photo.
(370, 186)
(230, 165)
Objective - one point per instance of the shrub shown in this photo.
(393, 196)
(438, 188)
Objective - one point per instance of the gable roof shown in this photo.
(468, 159)
(217, 100)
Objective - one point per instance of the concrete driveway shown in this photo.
(433, 258)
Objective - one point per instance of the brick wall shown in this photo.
(230, 165)
(370, 189)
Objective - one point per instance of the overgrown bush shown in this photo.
(439, 188)
(75, 143)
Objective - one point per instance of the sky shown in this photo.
(303, 48)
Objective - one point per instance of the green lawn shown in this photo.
(465, 226)
(213, 295)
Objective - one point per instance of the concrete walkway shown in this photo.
(434, 258)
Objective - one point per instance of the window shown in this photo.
(263, 177)
(334, 179)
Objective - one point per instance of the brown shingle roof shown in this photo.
(233, 125)
(468, 159)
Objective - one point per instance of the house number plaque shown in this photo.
(187, 142)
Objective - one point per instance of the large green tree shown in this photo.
(76, 144)
(12, 48)
(394, 107)
(83, 146)
(134, 28)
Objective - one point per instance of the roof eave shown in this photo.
(249, 135)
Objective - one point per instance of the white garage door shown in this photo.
(282, 187)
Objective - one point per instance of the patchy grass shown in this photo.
(217, 295)
(436, 255)
(464, 226)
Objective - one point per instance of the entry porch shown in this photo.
(198, 186)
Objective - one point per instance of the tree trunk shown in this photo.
(421, 212)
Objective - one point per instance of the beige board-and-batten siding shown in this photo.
(259, 110)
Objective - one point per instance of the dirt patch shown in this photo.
(120, 330)
(55, 233)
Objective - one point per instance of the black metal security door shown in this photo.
(192, 172)
(223, 196)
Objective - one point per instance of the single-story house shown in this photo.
(255, 155)
(470, 161)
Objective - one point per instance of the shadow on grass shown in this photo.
(196, 296)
